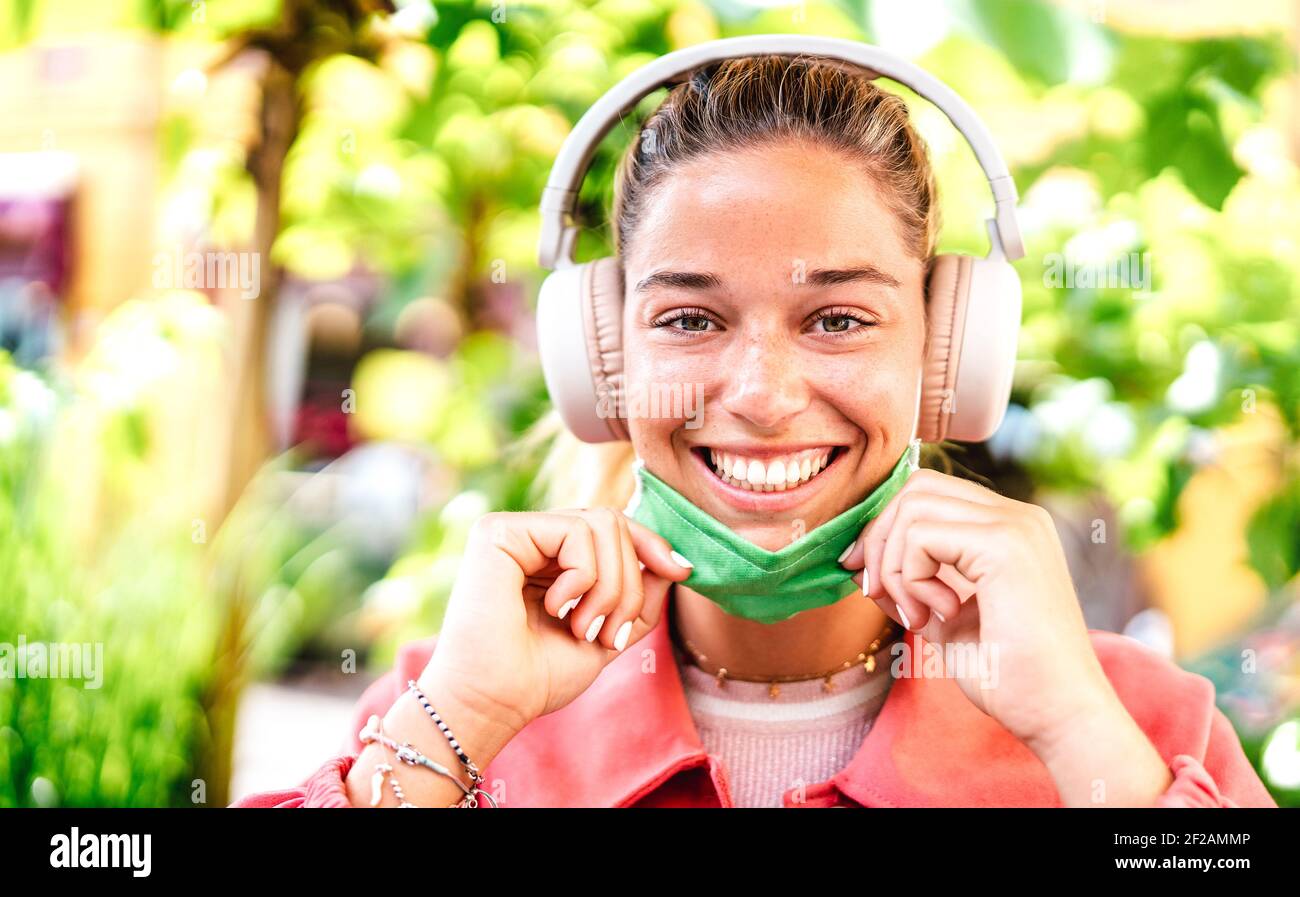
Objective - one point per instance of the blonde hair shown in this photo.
(738, 104)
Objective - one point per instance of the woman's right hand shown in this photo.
(543, 601)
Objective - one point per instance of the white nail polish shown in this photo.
(902, 615)
(594, 629)
(940, 616)
(641, 564)
(848, 551)
(568, 606)
(620, 638)
(681, 561)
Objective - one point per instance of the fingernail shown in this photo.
(848, 551)
(641, 564)
(902, 615)
(568, 606)
(594, 629)
(940, 616)
(681, 561)
(863, 579)
(620, 638)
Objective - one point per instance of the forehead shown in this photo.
(768, 206)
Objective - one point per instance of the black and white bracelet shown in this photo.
(475, 776)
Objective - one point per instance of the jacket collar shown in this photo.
(632, 731)
(930, 746)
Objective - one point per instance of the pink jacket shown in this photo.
(629, 740)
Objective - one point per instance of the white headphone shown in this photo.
(973, 304)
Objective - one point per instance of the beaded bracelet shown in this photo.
(475, 776)
(373, 732)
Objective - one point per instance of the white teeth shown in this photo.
(777, 475)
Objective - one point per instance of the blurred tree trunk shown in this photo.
(251, 440)
(306, 32)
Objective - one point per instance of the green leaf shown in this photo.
(1273, 536)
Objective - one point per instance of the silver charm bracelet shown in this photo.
(373, 732)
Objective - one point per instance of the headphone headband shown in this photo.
(558, 234)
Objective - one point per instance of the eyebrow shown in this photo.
(820, 277)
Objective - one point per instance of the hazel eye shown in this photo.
(838, 323)
(693, 322)
(686, 320)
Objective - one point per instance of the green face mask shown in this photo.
(748, 581)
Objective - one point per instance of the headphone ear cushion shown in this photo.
(601, 288)
(947, 289)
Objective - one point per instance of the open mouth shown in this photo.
(777, 473)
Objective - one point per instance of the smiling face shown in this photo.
(773, 280)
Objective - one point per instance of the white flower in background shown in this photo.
(190, 84)
(413, 18)
(1086, 410)
(1018, 436)
(1197, 388)
(394, 598)
(1062, 197)
(463, 509)
(8, 426)
(30, 399)
(1110, 431)
(379, 180)
(1202, 446)
(910, 29)
(1070, 405)
(1281, 755)
(1099, 245)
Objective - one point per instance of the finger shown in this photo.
(880, 529)
(654, 550)
(587, 618)
(920, 575)
(577, 558)
(617, 628)
(534, 544)
(889, 546)
(890, 609)
(655, 589)
(920, 481)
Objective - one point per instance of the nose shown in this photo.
(764, 383)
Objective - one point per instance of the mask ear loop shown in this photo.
(914, 445)
(635, 501)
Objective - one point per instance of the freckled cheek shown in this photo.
(666, 380)
(877, 394)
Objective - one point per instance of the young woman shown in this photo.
(574, 669)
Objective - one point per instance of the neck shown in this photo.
(807, 644)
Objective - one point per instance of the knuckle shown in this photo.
(492, 527)
(1036, 517)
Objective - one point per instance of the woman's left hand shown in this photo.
(968, 568)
